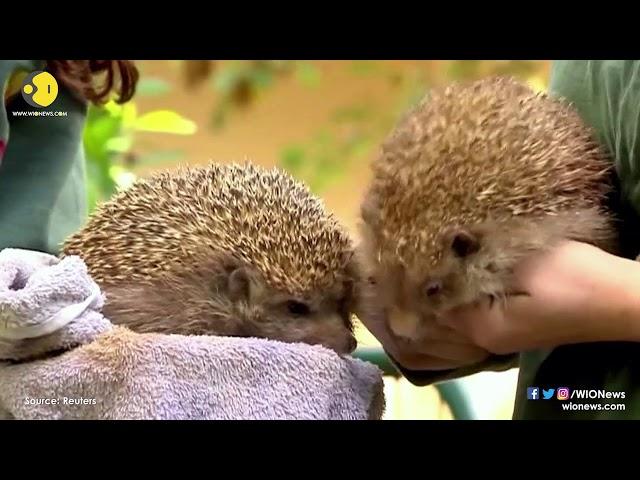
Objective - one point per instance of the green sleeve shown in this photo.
(42, 172)
(606, 93)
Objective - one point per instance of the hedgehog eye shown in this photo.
(433, 288)
(298, 308)
(464, 244)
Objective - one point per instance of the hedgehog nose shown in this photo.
(403, 323)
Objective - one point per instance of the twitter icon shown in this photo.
(547, 394)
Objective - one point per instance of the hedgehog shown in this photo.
(473, 180)
(227, 250)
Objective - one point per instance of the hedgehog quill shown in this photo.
(233, 250)
(475, 179)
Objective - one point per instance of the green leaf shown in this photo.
(365, 67)
(325, 176)
(151, 86)
(129, 115)
(464, 69)
(119, 144)
(98, 172)
(219, 117)
(165, 121)
(357, 146)
(165, 156)
(112, 108)
(308, 74)
(292, 158)
(521, 68)
(353, 113)
(97, 134)
(261, 77)
(226, 78)
(93, 194)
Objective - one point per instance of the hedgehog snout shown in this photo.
(403, 323)
(340, 337)
(345, 346)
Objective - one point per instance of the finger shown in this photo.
(500, 327)
(483, 323)
(464, 318)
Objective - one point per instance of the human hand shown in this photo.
(440, 347)
(576, 293)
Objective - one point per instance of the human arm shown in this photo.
(42, 176)
(42, 158)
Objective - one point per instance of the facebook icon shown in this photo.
(533, 393)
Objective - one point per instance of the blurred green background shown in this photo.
(319, 120)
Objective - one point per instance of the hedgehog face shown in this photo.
(221, 295)
(413, 294)
(473, 261)
(316, 317)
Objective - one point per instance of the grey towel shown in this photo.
(61, 359)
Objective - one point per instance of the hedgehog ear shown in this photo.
(241, 285)
(463, 242)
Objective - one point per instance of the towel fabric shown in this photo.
(61, 359)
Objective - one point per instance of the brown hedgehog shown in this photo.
(222, 250)
(476, 178)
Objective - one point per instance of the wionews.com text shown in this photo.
(39, 114)
(593, 406)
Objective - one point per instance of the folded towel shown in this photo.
(61, 359)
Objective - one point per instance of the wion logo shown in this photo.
(39, 89)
